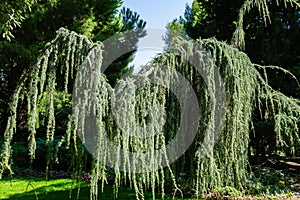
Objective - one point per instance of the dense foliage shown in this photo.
(96, 19)
(142, 158)
(269, 40)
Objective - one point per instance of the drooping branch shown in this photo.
(238, 38)
(126, 128)
(64, 54)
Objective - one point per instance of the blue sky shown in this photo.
(157, 13)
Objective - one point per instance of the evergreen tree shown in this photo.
(227, 90)
(268, 42)
(97, 19)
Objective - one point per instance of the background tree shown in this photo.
(97, 19)
(269, 41)
(34, 28)
(12, 15)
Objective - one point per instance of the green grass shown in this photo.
(57, 189)
(33, 188)
(38, 188)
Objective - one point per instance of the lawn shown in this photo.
(56, 189)
(60, 189)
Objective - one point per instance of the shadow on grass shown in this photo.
(43, 193)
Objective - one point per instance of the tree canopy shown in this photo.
(96, 19)
(131, 130)
(269, 40)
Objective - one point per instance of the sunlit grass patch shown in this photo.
(59, 189)
(37, 188)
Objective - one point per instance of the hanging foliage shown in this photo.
(63, 55)
(238, 38)
(117, 125)
(246, 89)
